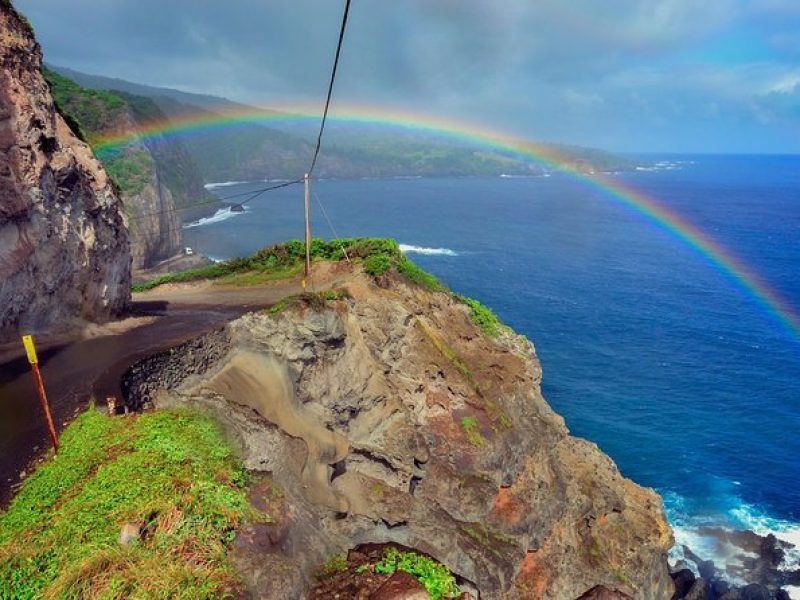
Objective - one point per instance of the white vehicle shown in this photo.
(188, 251)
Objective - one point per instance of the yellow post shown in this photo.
(30, 349)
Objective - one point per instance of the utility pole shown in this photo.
(308, 228)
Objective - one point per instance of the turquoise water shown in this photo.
(648, 350)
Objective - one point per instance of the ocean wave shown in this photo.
(734, 514)
(211, 186)
(409, 249)
(223, 214)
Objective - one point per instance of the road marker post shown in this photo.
(30, 350)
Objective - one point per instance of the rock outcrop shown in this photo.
(63, 239)
(158, 181)
(388, 416)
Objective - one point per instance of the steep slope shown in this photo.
(281, 147)
(159, 182)
(385, 414)
(63, 239)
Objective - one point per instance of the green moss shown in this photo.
(452, 357)
(171, 473)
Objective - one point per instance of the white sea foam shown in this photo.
(739, 515)
(409, 249)
(223, 214)
(211, 186)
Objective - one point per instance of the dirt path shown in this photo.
(90, 362)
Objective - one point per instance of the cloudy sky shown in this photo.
(626, 75)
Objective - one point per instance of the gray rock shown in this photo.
(357, 408)
(63, 239)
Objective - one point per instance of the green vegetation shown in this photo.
(314, 300)
(470, 426)
(169, 474)
(452, 357)
(335, 564)
(286, 260)
(130, 170)
(483, 317)
(94, 115)
(92, 111)
(91, 114)
(437, 579)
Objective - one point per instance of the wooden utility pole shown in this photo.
(308, 228)
(30, 349)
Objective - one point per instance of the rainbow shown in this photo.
(735, 270)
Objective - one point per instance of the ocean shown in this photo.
(649, 348)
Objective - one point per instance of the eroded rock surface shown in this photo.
(389, 417)
(63, 240)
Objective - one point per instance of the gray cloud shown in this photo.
(629, 74)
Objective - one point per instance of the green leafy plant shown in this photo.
(437, 579)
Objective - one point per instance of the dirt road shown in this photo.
(78, 368)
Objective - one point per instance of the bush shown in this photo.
(377, 265)
(437, 579)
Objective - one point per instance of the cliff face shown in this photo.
(158, 180)
(63, 238)
(388, 416)
(154, 222)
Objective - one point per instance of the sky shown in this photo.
(624, 75)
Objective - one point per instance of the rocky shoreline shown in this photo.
(756, 564)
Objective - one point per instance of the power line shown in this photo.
(330, 86)
(253, 194)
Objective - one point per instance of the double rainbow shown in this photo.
(736, 271)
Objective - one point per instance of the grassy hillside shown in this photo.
(170, 475)
(92, 114)
(283, 149)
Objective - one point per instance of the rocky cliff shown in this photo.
(63, 239)
(158, 180)
(384, 414)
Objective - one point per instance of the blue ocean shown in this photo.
(649, 349)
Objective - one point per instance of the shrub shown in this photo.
(437, 579)
(376, 265)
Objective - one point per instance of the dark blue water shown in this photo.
(648, 349)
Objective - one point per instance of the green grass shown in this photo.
(286, 260)
(377, 255)
(171, 473)
(483, 316)
(335, 564)
(470, 425)
(437, 579)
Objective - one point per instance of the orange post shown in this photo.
(30, 349)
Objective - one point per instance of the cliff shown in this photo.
(63, 239)
(385, 414)
(158, 180)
